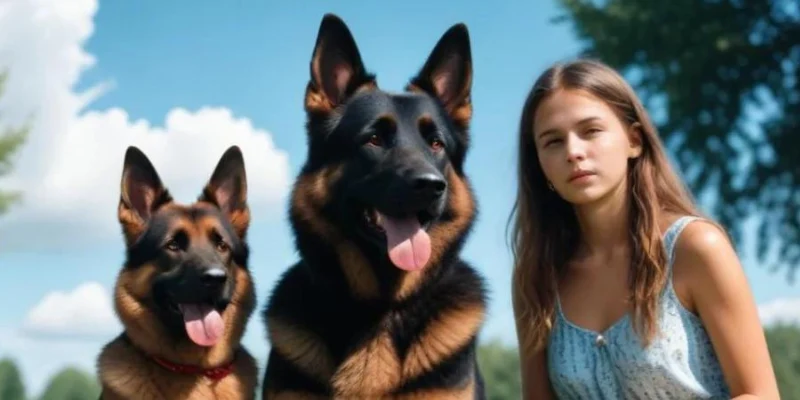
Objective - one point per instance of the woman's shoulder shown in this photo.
(696, 233)
(702, 240)
(706, 259)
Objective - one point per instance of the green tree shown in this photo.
(500, 367)
(71, 384)
(727, 76)
(784, 349)
(10, 142)
(11, 385)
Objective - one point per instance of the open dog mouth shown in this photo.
(407, 239)
(191, 305)
(203, 323)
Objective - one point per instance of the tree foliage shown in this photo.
(11, 385)
(784, 348)
(500, 368)
(71, 384)
(10, 142)
(725, 73)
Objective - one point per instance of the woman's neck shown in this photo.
(604, 224)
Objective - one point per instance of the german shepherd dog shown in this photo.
(184, 294)
(380, 305)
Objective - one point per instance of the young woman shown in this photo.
(621, 288)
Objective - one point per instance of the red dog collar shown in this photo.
(216, 373)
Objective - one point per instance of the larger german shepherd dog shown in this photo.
(184, 293)
(380, 305)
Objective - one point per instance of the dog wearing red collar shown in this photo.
(184, 293)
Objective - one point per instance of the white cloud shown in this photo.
(69, 169)
(783, 310)
(85, 312)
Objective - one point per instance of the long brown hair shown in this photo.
(545, 229)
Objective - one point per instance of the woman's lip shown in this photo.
(579, 175)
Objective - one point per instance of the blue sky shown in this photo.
(158, 71)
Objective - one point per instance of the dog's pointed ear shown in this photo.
(337, 70)
(227, 189)
(447, 74)
(141, 193)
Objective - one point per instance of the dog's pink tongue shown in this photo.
(204, 325)
(409, 245)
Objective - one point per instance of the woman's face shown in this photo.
(583, 146)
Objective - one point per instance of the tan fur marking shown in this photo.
(132, 225)
(317, 102)
(372, 370)
(207, 225)
(463, 393)
(309, 195)
(443, 234)
(126, 374)
(185, 225)
(239, 219)
(444, 336)
(461, 113)
(300, 347)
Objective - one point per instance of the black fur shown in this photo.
(399, 153)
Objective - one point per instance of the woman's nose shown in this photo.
(576, 149)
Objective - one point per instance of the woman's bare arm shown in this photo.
(722, 297)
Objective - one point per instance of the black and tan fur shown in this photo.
(168, 244)
(343, 322)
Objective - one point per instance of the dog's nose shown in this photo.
(214, 276)
(429, 184)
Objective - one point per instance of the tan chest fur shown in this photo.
(126, 374)
(374, 370)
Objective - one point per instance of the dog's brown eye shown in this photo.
(222, 246)
(437, 144)
(173, 245)
(375, 140)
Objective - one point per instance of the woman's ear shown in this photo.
(635, 138)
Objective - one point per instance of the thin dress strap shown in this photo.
(671, 238)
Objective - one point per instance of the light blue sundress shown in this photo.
(680, 362)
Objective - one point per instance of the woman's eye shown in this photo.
(554, 141)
